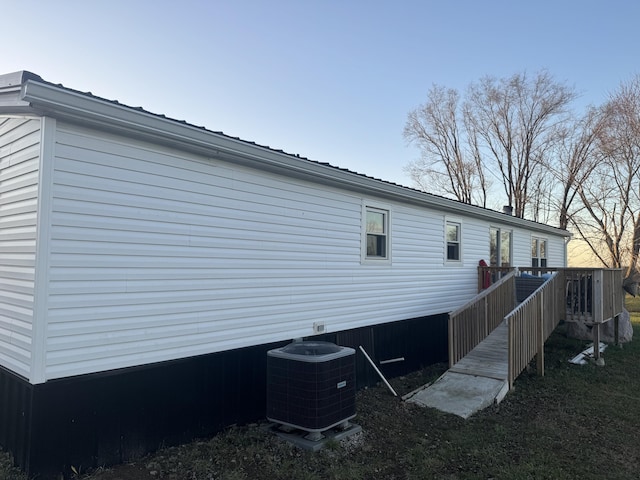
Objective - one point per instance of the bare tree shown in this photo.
(541, 205)
(504, 128)
(620, 143)
(516, 121)
(609, 215)
(574, 161)
(518, 129)
(601, 221)
(626, 106)
(447, 162)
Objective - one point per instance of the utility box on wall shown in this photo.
(311, 385)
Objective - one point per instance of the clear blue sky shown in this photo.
(330, 80)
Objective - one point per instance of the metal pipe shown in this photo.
(378, 372)
(392, 360)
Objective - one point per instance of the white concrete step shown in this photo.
(461, 394)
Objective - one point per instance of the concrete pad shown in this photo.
(298, 437)
(461, 394)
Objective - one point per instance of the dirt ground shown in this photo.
(575, 422)
(247, 445)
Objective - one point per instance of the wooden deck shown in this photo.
(493, 337)
(490, 358)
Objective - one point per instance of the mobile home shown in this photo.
(147, 265)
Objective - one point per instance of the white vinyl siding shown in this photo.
(156, 255)
(147, 254)
(475, 238)
(521, 245)
(19, 162)
(556, 252)
(522, 249)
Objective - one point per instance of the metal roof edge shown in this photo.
(60, 102)
(17, 79)
(11, 85)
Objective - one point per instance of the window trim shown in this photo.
(501, 231)
(458, 224)
(538, 257)
(368, 206)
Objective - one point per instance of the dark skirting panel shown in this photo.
(419, 341)
(112, 417)
(15, 415)
(413, 344)
(109, 418)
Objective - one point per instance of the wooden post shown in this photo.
(509, 354)
(540, 355)
(561, 295)
(486, 316)
(616, 329)
(596, 342)
(597, 311)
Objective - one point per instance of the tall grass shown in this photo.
(633, 306)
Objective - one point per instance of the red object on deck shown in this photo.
(486, 277)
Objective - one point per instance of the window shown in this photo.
(376, 234)
(500, 247)
(538, 252)
(453, 241)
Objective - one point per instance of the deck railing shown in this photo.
(612, 293)
(487, 275)
(587, 295)
(592, 295)
(474, 321)
(531, 323)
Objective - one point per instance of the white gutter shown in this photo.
(59, 102)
